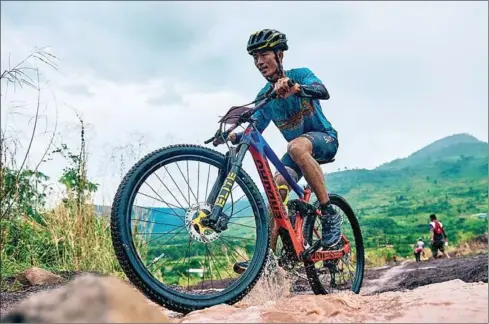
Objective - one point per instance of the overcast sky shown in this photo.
(401, 74)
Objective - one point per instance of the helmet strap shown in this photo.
(280, 70)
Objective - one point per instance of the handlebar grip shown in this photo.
(209, 140)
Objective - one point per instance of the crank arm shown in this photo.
(307, 254)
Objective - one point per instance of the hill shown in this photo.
(448, 148)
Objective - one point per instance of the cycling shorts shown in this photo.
(324, 148)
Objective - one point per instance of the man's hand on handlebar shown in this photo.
(218, 140)
(285, 88)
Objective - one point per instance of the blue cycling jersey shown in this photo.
(294, 115)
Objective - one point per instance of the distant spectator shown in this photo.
(418, 249)
(438, 237)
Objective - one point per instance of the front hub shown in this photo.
(193, 222)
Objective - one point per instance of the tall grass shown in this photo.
(69, 237)
(72, 239)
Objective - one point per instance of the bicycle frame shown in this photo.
(253, 141)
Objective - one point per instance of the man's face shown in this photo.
(266, 63)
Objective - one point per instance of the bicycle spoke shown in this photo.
(171, 191)
(188, 184)
(158, 223)
(238, 238)
(198, 180)
(231, 248)
(231, 194)
(217, 269)
(242, 209)
(227, 208)
(207, 186)
(166, 234)
(203, 275)
(246, 258)
(188, 202)
(160, 212)
(241, 225)
(190, 241)
(210, 266)
(242, 217)
(161, 198)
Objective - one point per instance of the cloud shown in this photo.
(400, 74)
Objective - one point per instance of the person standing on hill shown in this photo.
(438, 237)
(419, 248)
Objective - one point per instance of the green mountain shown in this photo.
(448, 148)
(393, 201)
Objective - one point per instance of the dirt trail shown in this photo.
(446, 290)
(453, 302)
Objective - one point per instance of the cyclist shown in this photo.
(298, 115)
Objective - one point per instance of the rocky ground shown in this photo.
(411, 275)
(390, 279)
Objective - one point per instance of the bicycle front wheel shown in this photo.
(159, 249)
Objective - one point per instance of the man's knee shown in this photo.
(280, 180)
(299, 148)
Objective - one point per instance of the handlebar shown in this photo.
(245, 116)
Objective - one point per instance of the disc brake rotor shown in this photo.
(197, 231)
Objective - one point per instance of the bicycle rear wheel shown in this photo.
(182, 269)
(327, 276)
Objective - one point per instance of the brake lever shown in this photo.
(219, 136)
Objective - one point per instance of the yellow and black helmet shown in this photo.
(267, 39)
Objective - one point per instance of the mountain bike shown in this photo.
(217, 225)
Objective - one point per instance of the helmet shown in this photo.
(267, 39)
(420, 239)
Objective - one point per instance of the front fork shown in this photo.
(223, 186)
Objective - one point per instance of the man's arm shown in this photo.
(310, 86)
(444, 234)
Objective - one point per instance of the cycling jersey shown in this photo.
(294, 115)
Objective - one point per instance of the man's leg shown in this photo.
(442, 249)
(434, 250)
(304, 151)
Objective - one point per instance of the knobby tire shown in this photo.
(127, 255)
